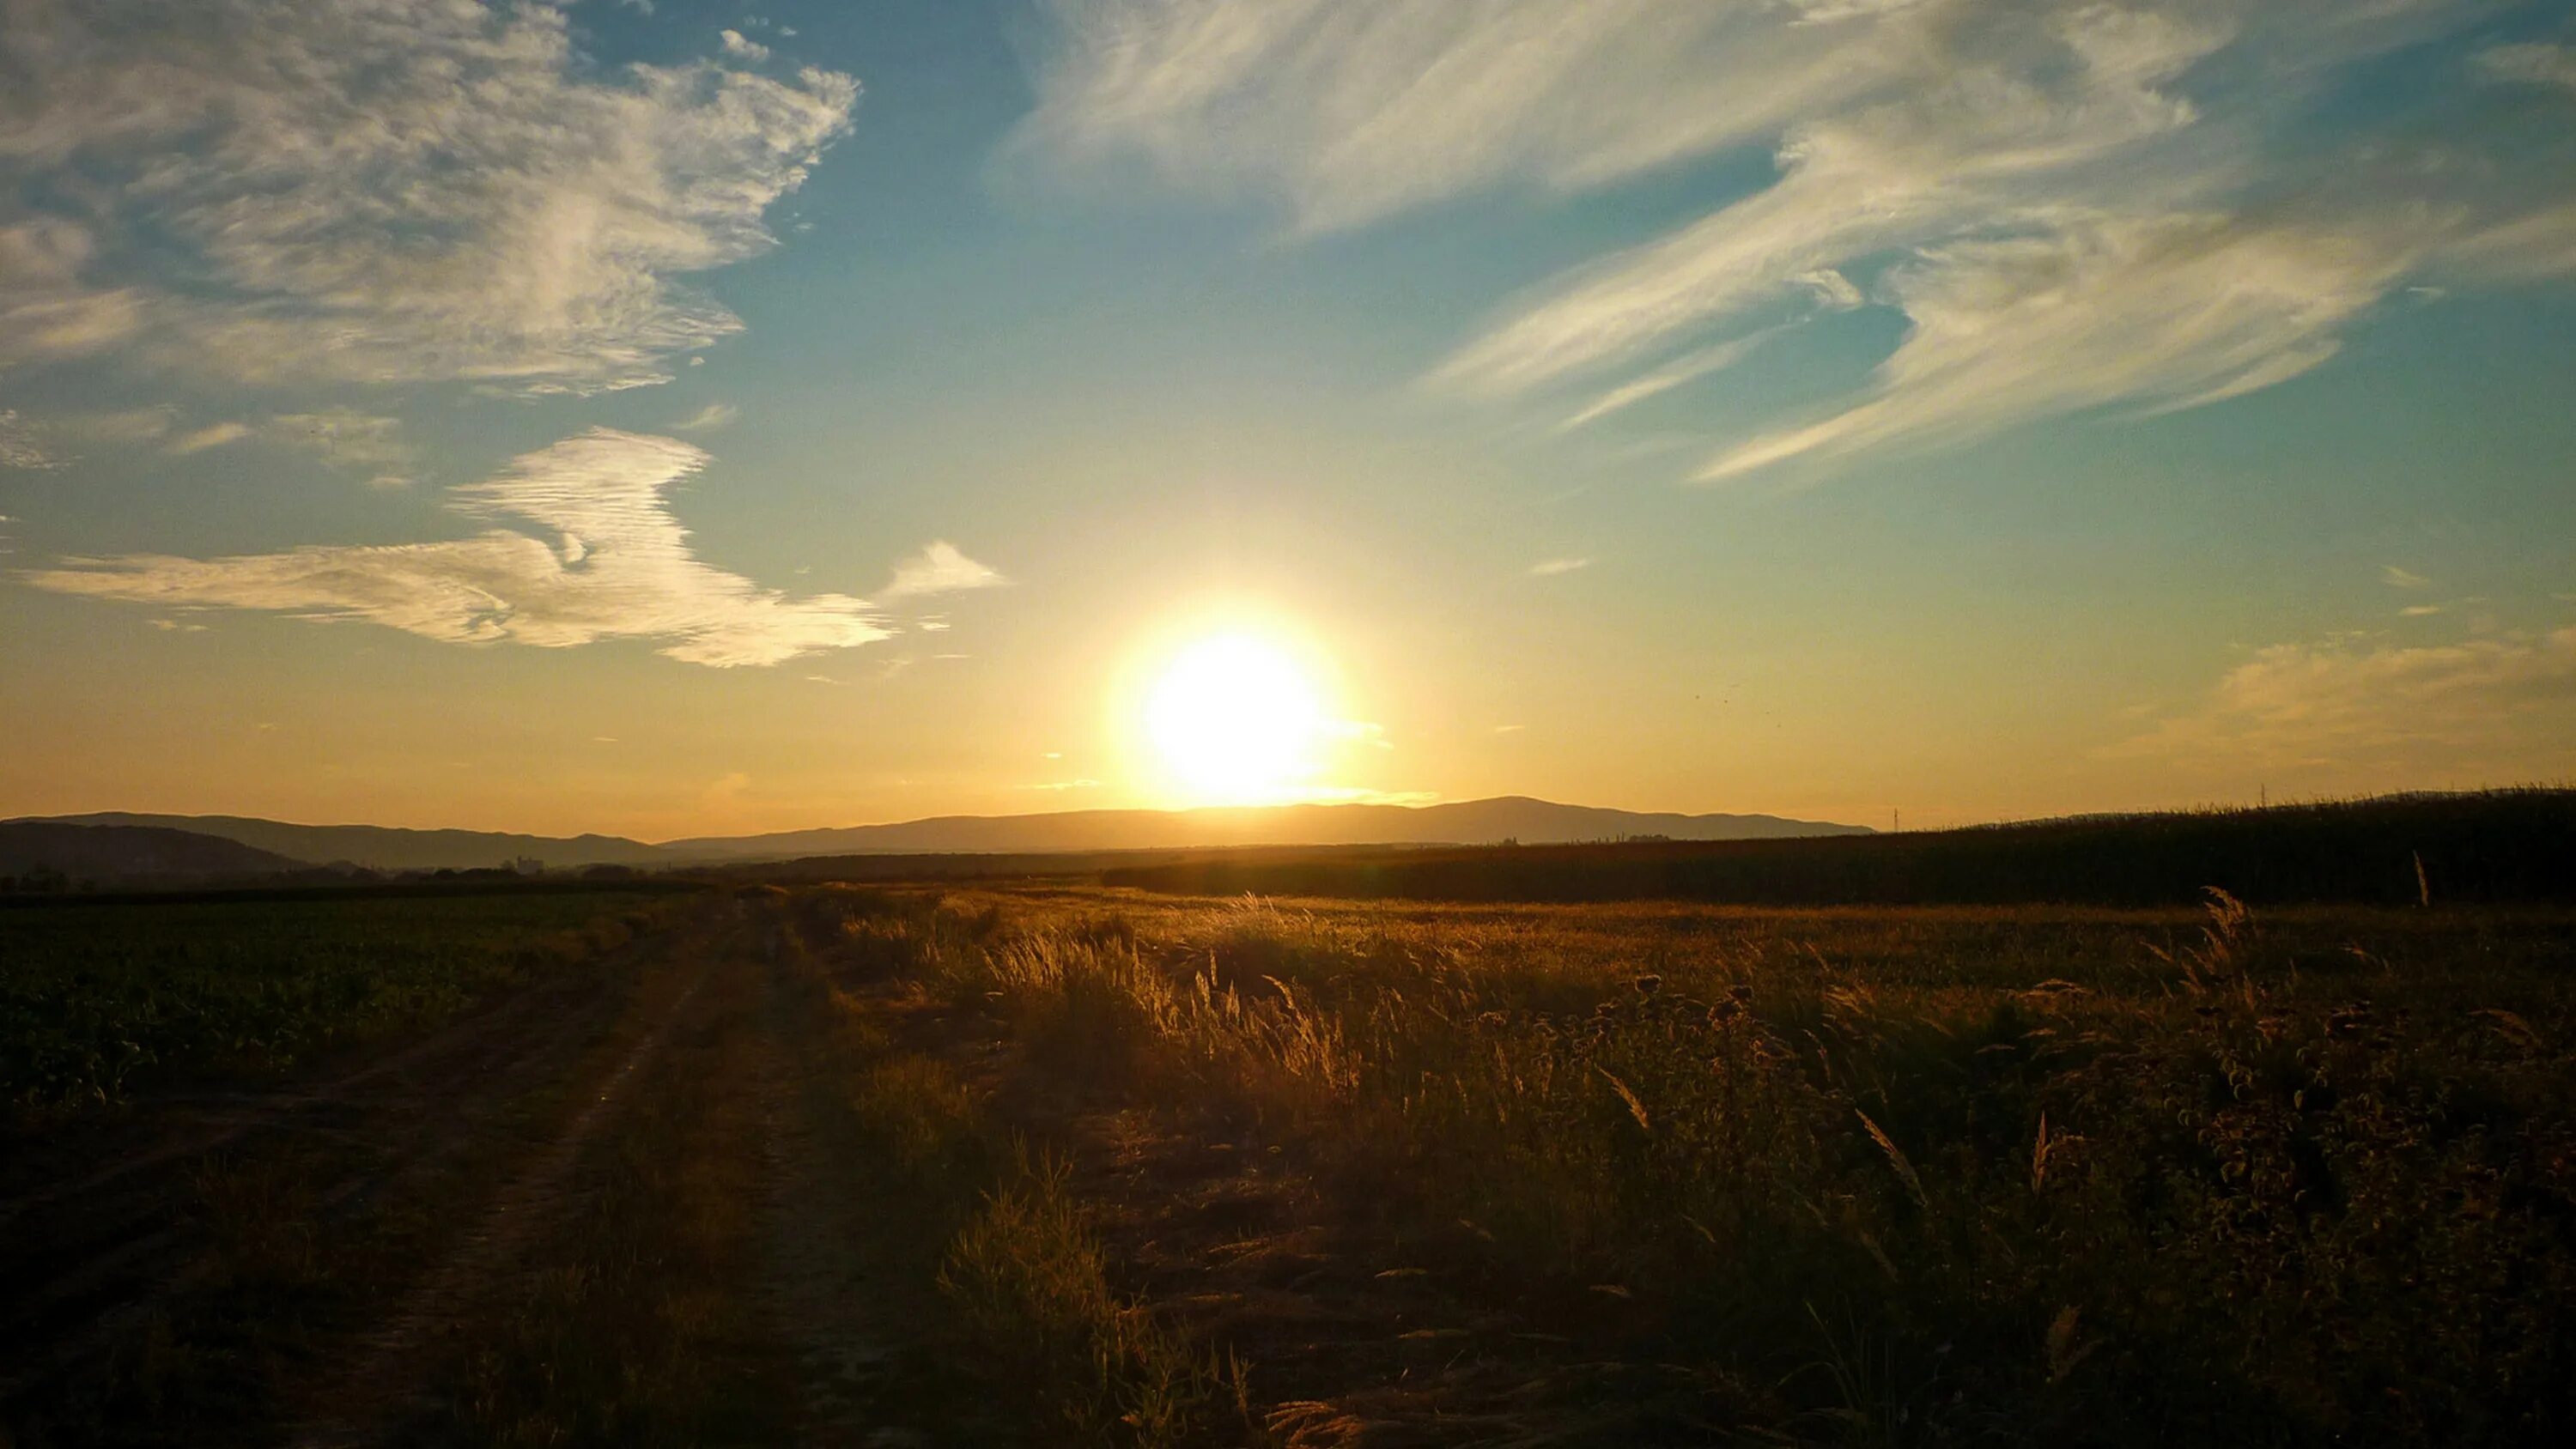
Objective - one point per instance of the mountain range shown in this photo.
(93, 852)
(1470, 822)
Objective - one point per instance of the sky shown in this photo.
(694, 418)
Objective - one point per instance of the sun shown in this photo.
(1236, 720)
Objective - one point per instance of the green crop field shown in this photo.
(97, 998)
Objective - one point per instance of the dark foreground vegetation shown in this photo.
(1671, 1175)
(101, 997)
(1055, 1165)
(2494, 846)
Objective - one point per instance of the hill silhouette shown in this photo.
(129, 852)
(384, 847)
(1472, 822)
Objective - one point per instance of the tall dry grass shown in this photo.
(1904, 1177)
(1026, 1296)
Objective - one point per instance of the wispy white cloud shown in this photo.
(19, 445)
(346, 439)
(1348, 110)
(2402, 578)
(125, 427)
(739, 48)
(940, 568)
(709, 418)
(606, 560)
(1550, 568)
(342, 437)
(2074, 203)
(45, 442)
(2170, 312)
(2500, 708)
(378, 190)
(213, 435)
(2533, 64)
(48, 310)
(1689, 367)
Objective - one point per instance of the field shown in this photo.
(99, 998)
(1061, 1164)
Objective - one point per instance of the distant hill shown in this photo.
(1470, 822)
(129, 852)
(384, 847)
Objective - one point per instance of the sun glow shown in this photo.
(1236, 720)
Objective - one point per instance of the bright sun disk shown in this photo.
(1235, 720)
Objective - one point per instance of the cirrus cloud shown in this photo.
(2076, 204)
(606, 560)
(377, 191)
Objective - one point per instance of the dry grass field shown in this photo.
(1337, 1173)
(1079, 1166)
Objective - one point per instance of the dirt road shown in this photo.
(617, 1206)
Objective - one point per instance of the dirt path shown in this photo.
(815, 1293)
(388, 1369)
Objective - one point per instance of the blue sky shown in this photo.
(702, 417)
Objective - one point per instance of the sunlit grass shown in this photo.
(1906, 1175)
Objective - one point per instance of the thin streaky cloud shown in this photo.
(342, 437)
(45, 442)
(606, 561)
(1346, 111)
(213, 435)
(709, 418)
(302, 163)
(2067, 200)
(2402, 578)
(2532, 64)
(1689, 368)
(2176, 312)
(20, 447)
(1550, 568)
